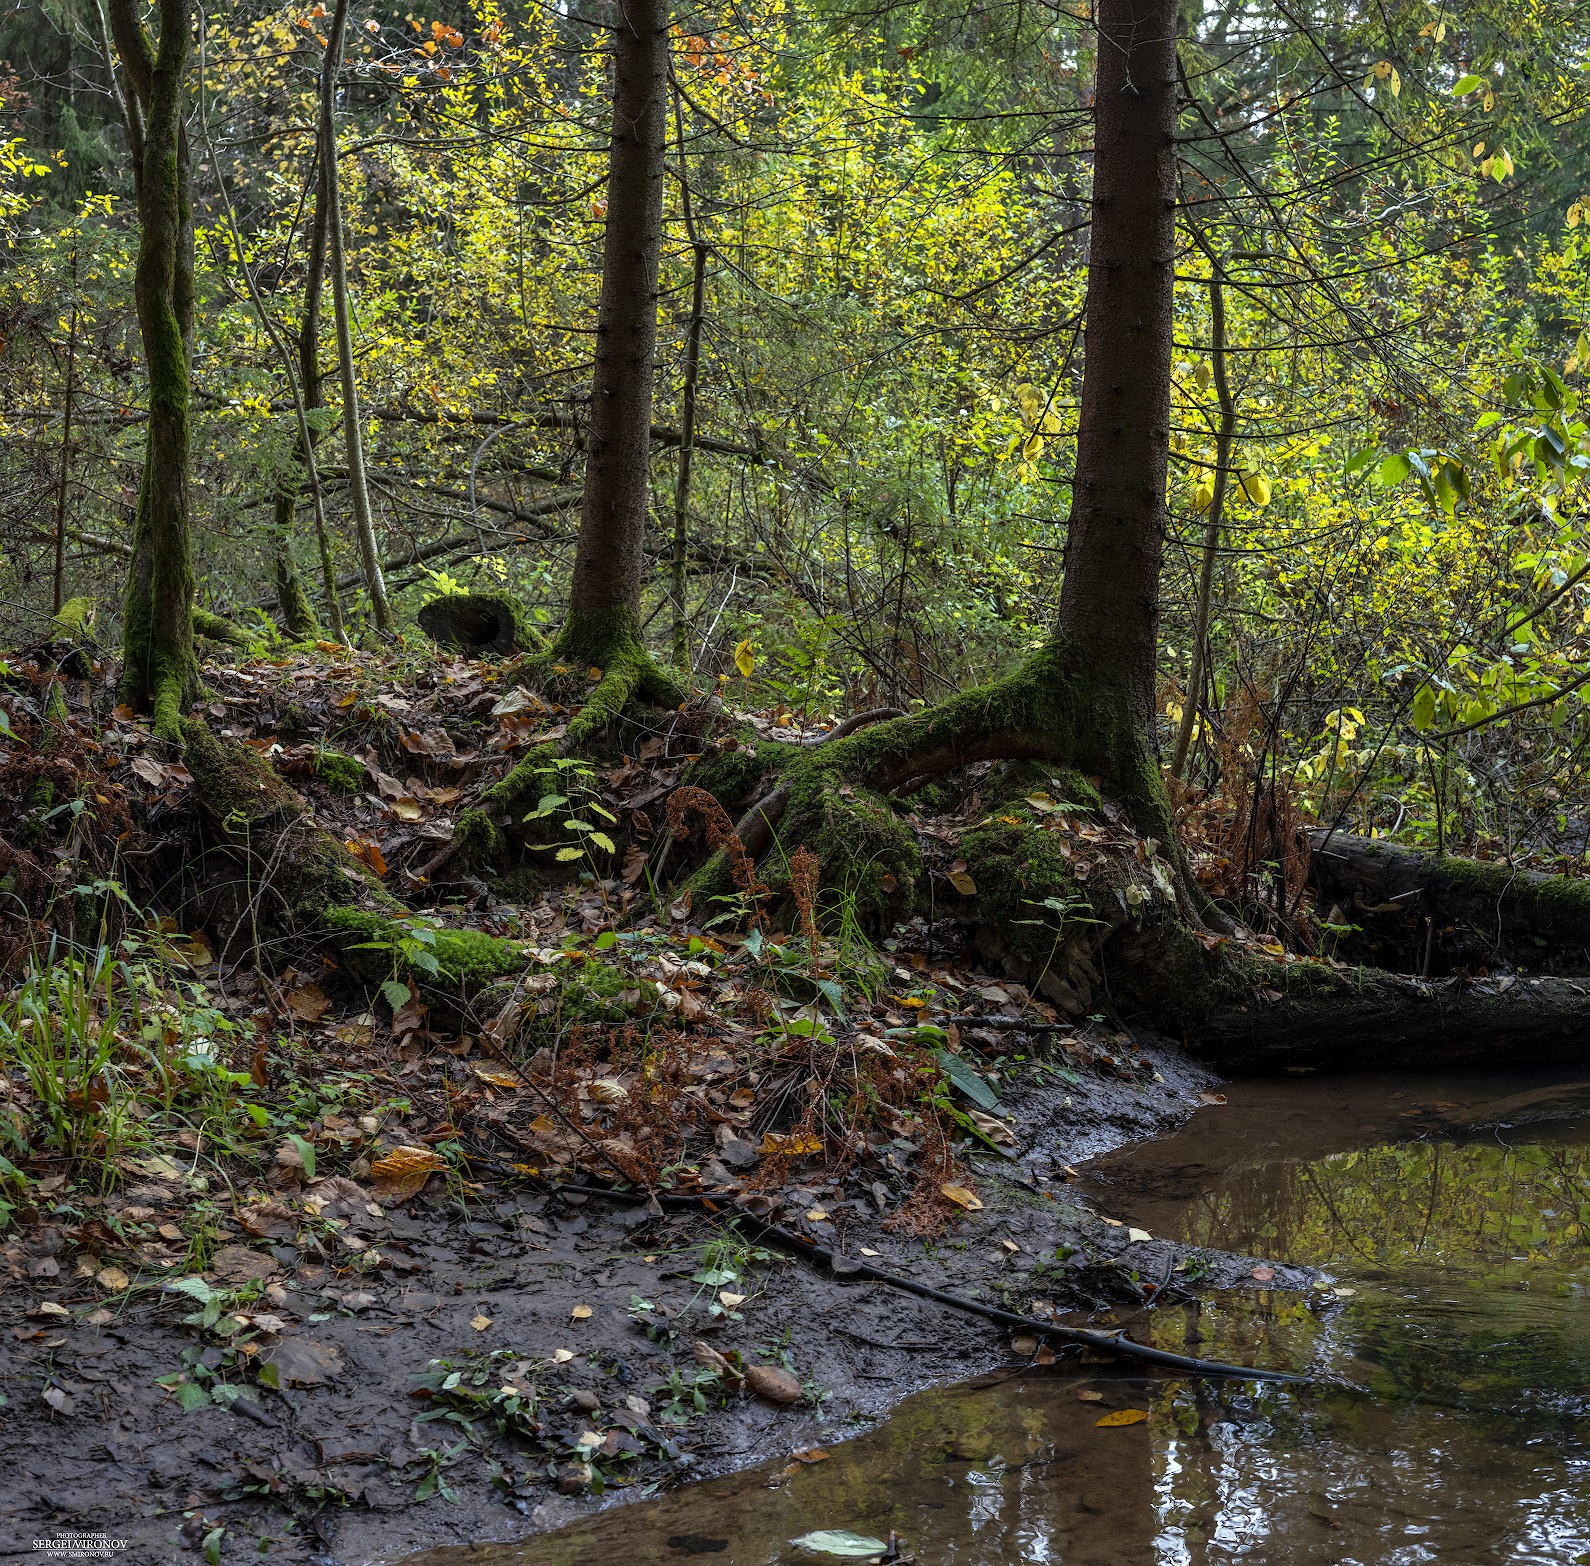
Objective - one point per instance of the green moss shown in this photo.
(75, 619)
(863, 848)
(1018, 869)
(480, 624)
(468, 959)
(734, 773)
(341, 773)
(213, 628)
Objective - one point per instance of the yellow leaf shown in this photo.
(1203, 496)
(405, 1169)
(1257, 488)
(745, 659)
(480, 1323)
(1124, 1416)
(791, 1145)
(501, 1079)
(963, 883)
(407, 809)
(581, 1313)
(112, 1278)
(962, 1197)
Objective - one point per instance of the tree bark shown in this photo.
(1106, 635)
(1501, 910)
(160, 671)
(605, 591)
(1217, 506)
(353, 434)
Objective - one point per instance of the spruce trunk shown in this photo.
(604, 595)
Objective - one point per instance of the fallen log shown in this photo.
(1502, 910)
(479, 625)
(1312, 1015)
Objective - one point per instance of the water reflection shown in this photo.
(1449, 1421)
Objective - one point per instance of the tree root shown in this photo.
(216, 629)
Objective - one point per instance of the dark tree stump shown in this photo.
(479, 625)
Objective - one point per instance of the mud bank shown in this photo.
(364, 1455)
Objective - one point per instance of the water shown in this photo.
(1447, 1421)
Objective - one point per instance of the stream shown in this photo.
(1447, 1414)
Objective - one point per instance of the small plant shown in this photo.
(577, 777)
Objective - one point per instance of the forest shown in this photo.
(683, 689)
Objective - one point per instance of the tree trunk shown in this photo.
(287, 496)
(1217, 506)
(604, 595)
(1106, 635)
(353, 434)
(160, 672)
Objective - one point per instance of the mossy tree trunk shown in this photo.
(160, 672)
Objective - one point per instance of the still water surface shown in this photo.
(1447, 1420)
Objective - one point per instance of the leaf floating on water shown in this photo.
(1090, 1397)
(1123, 1416)
(840, 1541)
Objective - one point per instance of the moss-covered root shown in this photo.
(213, 628)
(304, 885)
(628, 674)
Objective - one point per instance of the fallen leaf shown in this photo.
(777, 1386)
(300, 1362)
(840, 1541)
(48, 1310)
(963, 883)
(1138, 1235)
(1207, 1097)
(1263, 1274)
(1123, 1416)
(562, 1356)
(729, 1300)
(867, 1250)
(817, 1215)
(60, 1401)
(581, 1313)
(238, 1264)
(112, 1278)
(1090, 1397)
(962, 1197)
(480, 1323)
(810, 1454)
(308, 1003)
(404, 1170)
(1024, 1345)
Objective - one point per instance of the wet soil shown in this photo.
(328, 1470)
(1444, 1338)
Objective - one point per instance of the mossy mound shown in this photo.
(341, 773)
(863, 848)
(479, 625)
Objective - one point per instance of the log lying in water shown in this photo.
(1322, 1018)
(1505, 907)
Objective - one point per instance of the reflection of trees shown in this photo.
(1499, 1210)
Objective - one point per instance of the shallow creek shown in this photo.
(1446, 1418)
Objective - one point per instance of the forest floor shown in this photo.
(290, 1269)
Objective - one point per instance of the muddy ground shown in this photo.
(332, 1467)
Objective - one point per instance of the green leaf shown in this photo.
(396, 993)
(1467, 84)
(966, 1081)
(840, 1541)
(306, 1153)
(603, 842)
(1362, 459)
(194, 1288)
(565, 855)
(1394, 469)
(1423, 708)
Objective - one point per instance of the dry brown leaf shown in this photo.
(774, 1384)
(308, 1003)
(405, 1169)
